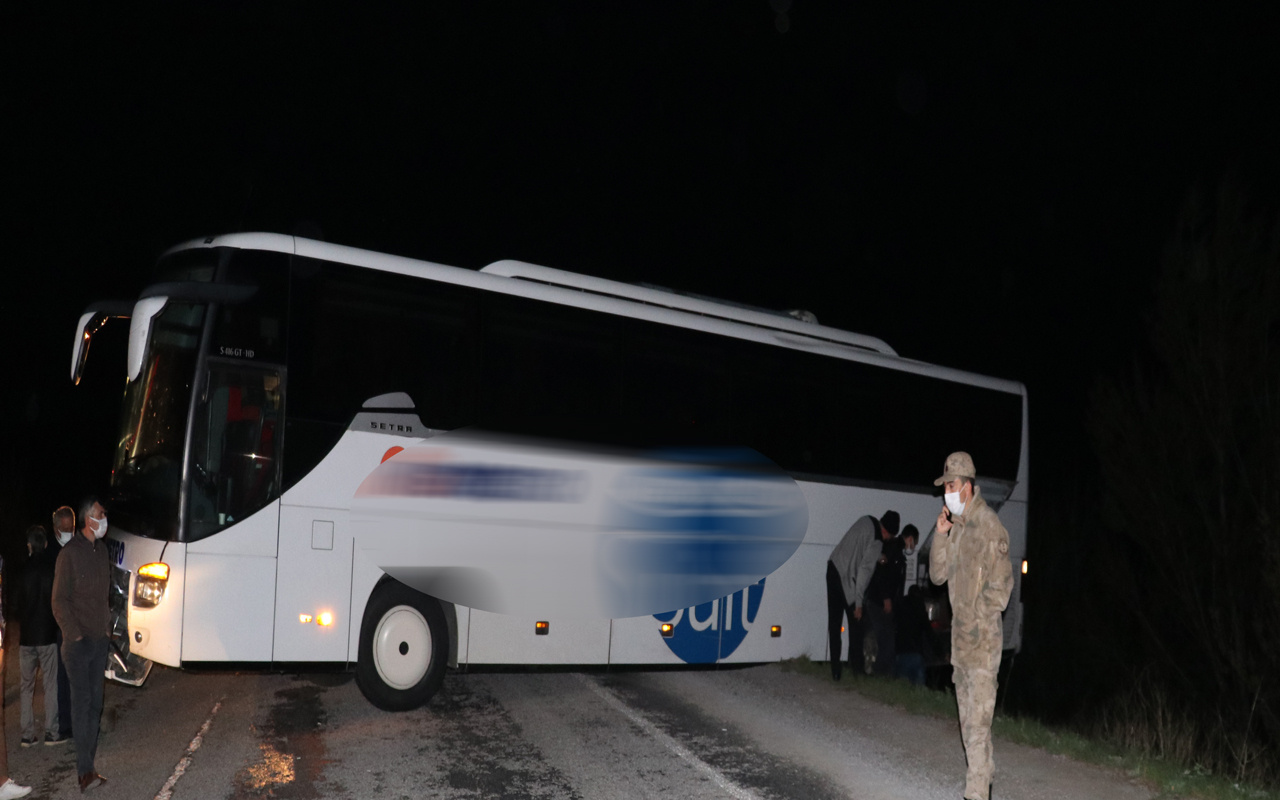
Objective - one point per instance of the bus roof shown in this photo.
(568, 288)
(701, 306)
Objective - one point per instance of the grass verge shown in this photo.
(1167, 778)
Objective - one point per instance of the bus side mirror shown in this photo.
(91, 321)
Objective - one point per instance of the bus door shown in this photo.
(233, 513)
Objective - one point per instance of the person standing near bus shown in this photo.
(9, 788)
(884, 590)
(911, 627)
(910, 538)
(848, 574)
(64, 530)
(971, 554)
(38, 644)
(81, 584)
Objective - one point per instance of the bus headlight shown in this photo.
(148, 589)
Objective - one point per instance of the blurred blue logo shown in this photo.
(711, 631)
(115, 549)
(687, 533)
(478, 482)
(583, 533)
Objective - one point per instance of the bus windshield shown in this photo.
(147, 476)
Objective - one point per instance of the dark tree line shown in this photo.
(1188, 442)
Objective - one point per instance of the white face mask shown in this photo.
(99, 527)
(64, 537)
(953, 503)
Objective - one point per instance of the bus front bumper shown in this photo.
(122, 665)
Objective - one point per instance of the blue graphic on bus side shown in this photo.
(115, 549)
(711, 631)
(693, 531)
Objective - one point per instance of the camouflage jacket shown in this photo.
(973, 559)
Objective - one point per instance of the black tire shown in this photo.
(404, 648)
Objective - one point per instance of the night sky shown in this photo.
(985, 189)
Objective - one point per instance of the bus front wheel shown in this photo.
(404, 647)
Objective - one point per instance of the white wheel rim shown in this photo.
(402, 647)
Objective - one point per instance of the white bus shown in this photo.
(269, 375)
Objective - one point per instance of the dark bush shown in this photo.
(1188, 444)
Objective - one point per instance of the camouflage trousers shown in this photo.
(975, 679)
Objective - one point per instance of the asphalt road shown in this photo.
(760, 732)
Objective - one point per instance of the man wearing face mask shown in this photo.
(64, 529)
(81, 585)
(971, 554)
(38, 646)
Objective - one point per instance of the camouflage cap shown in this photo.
(959, 465)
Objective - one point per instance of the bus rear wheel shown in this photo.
(404, 647)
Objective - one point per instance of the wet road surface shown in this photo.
(761, 732)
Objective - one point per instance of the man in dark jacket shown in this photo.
(885, 590)
(64, 530)
(38, 645)
(81, 586)
(9, 788)
(911, 620)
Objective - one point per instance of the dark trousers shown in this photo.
(838, 610)
(882, 625)
(64, 695)
(86, 662)
(911, 667)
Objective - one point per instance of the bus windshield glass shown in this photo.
(147, 477)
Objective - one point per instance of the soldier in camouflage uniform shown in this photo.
(971, 553)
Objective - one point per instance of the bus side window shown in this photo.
(549, 371)
(675, 389)
(355, 333)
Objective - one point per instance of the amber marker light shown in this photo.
(775, 631)
(668, 630)
(325, 619)
(304, 618)
(1024, 566)
(541, 628)
(157, 569)
(148, 590)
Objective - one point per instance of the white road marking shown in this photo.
(166, 791)
(733, 789)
